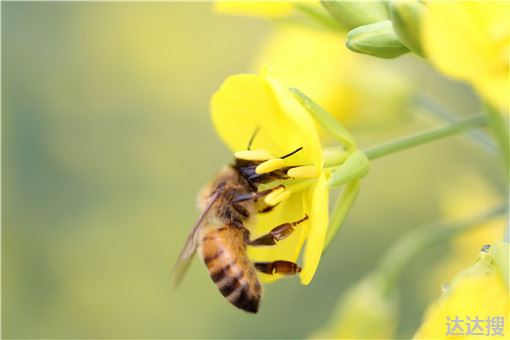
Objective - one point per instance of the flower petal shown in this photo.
(316, 200)
(470, 40)
(456, 40)
(247, 102)
(496, 90)
(288, 249)
(301, 121)
(472, 293)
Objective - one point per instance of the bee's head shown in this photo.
(271, 168)
(246, 163)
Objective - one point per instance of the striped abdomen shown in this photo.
(224, 254)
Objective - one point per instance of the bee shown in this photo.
(221, 235)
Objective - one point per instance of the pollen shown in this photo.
(270, 165)
(253, 155)
(307, 171)
(277, 196)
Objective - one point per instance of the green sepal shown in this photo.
(406, 19)
(325, 119)
(378, 40)
(342, 207)
(334, 156)
(356, 166)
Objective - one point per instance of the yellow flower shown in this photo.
(255, 8)
(246, 103)
(480, 291)
(344, 83)
(470, 40)
(468, 195)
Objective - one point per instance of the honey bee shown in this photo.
(228, 204)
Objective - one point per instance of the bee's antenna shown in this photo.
(291, 153)
(250, 142)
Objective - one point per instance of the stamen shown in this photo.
(273, 200)
(306, 171)
(253, 155)
(276, 196)
(300, 185)
(270, 165)
(252, 138)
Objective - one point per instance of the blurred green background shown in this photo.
(106, 141)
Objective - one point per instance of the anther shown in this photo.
(276, 196)
(253, 155)
(306, 171)
(270, 165)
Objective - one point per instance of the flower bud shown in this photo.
(405, 17)
(364, 312)
(378, 40)
(351, 14)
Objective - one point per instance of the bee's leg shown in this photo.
(255, 195)
(278, 267)
(277, 234)
(246, 235)
(241, 210)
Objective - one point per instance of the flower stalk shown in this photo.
(425, 137)
(499, 126)
(431, 108)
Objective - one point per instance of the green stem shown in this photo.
(424, 137)
(427, 106)
(499, 126)
(401, 253)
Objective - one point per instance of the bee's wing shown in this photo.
(189, 250)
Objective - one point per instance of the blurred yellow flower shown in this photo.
(246, 103)
(344, 83)
(470, 40)
(474, 304)
(255, 8)
(468, 195)
(364, 312)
